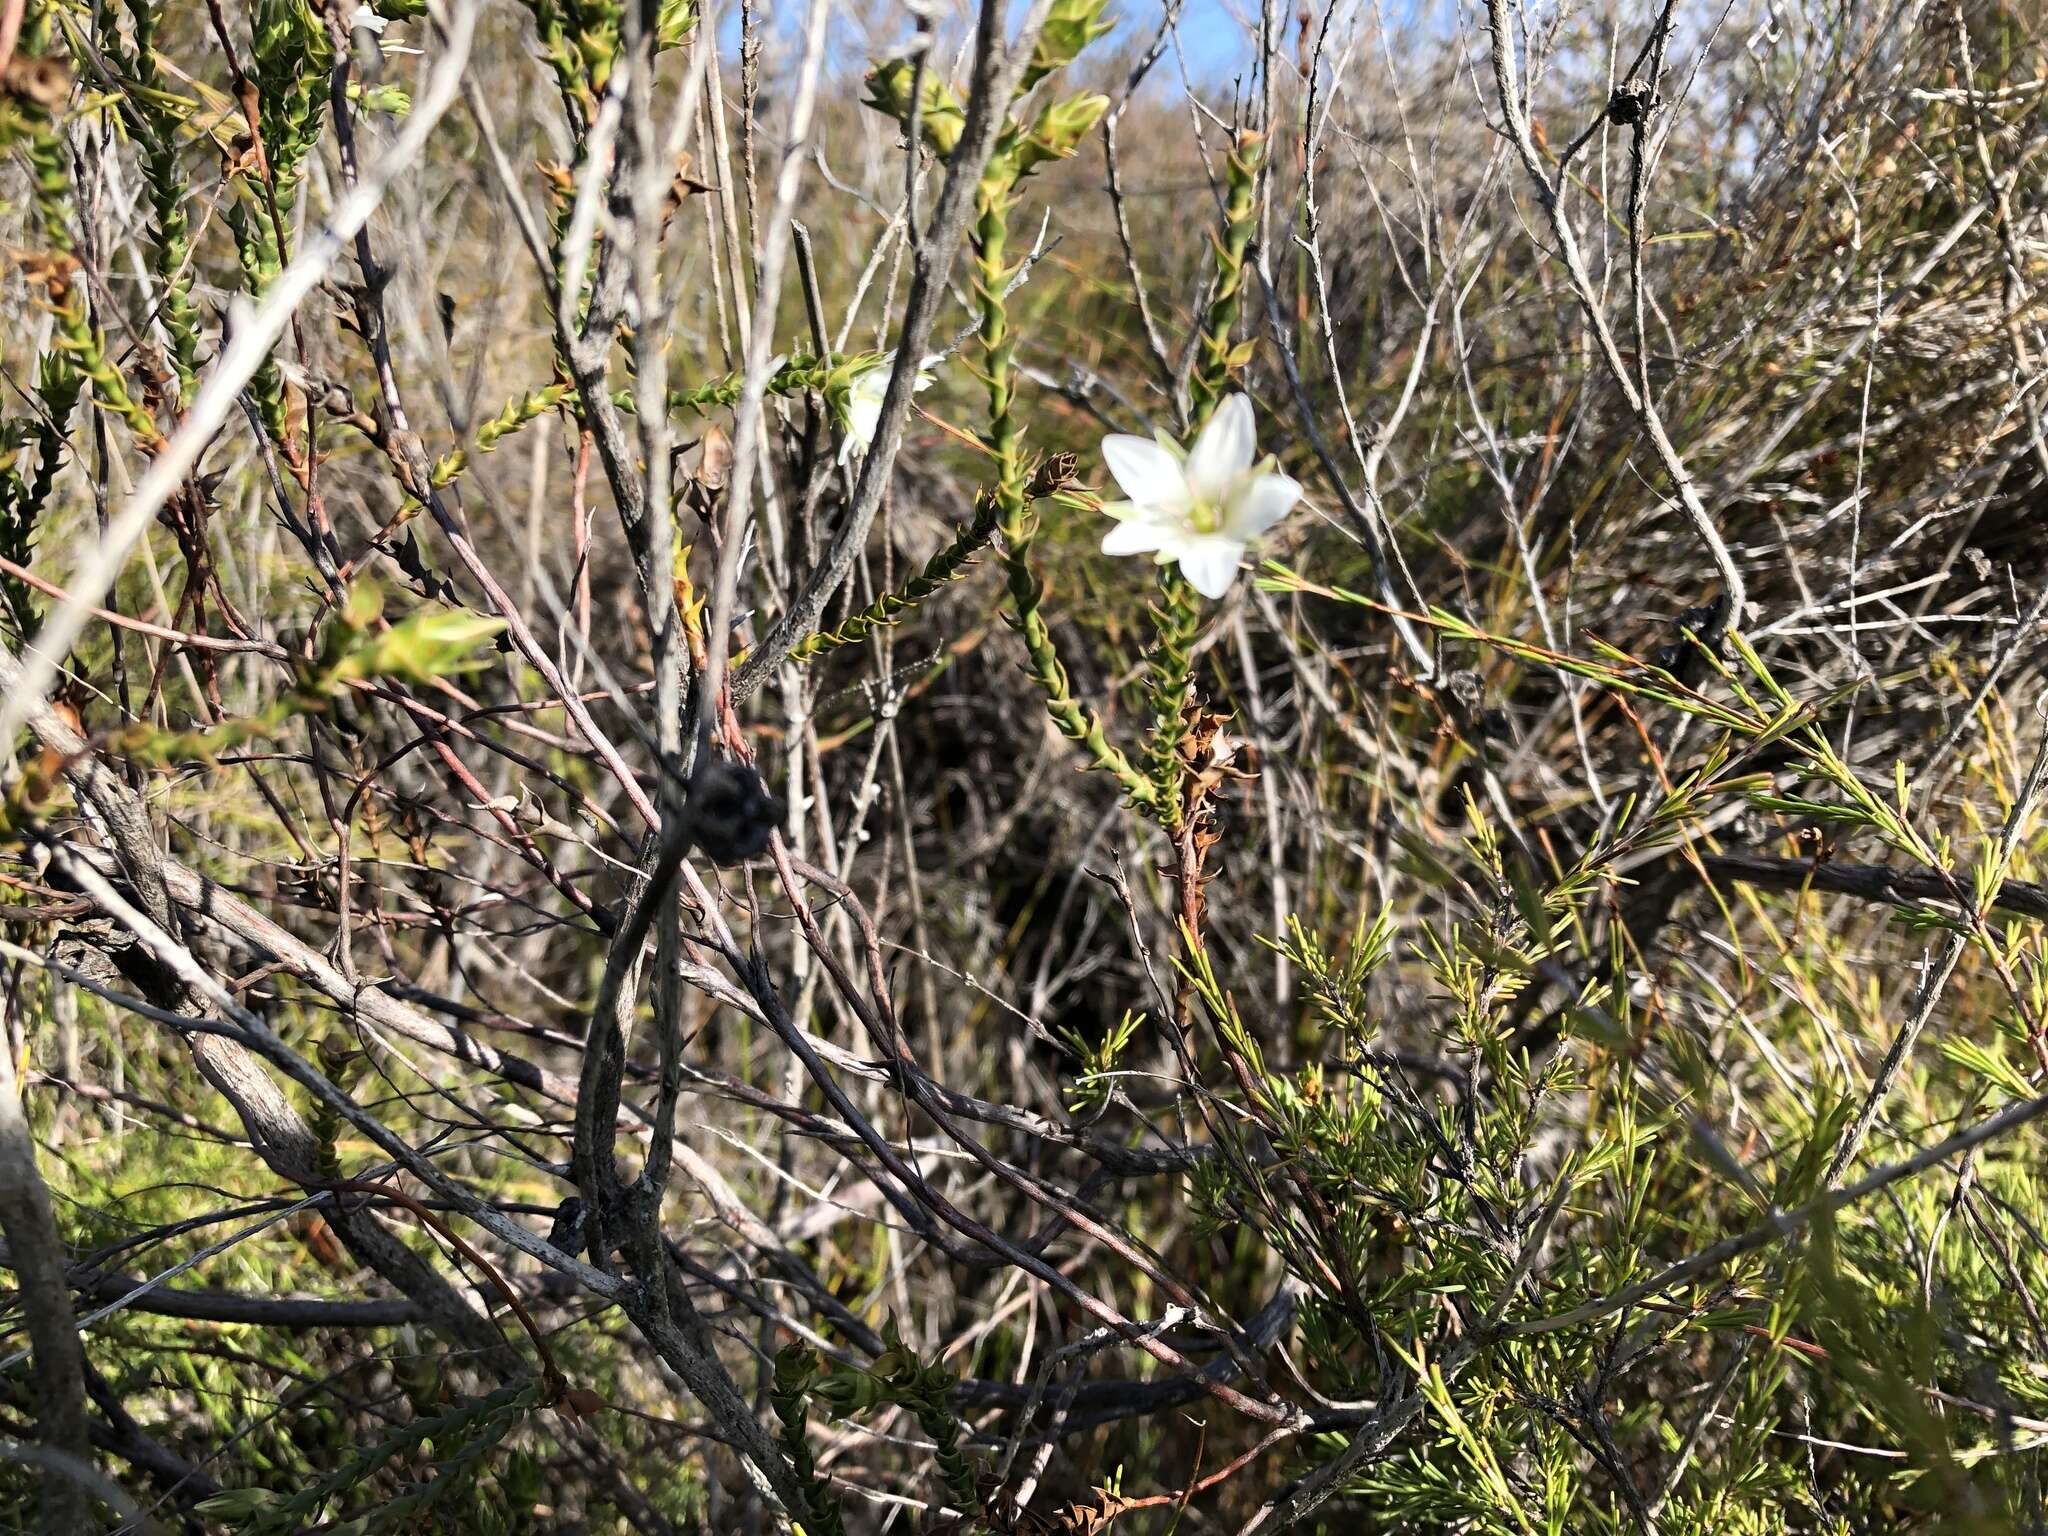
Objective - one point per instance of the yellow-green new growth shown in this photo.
(941, 114)
(1070, 26)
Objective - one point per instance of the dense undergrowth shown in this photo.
(616, 918)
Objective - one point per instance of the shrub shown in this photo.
(1022, 771)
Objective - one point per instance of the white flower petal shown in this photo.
(1224, 451)
(872, 382)
(1149, 475)
(1136, 536)
(1259, 503)
(863, 415)
(1210, 564)
(864, 399)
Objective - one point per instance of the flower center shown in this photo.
(1205, 516)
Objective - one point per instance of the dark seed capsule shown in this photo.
(1630, 105)
(732, 815)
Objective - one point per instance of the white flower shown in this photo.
(864, 401)
(366, 17)
(1200, 508)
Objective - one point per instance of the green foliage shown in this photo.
(1094, 1078)
(1388, 1046)
(900, 1377)
(24, 495)
(1020, 150)
(796, 1381)
(453, 1442)
(419, 648)
(948, 565)
(1070, 26)
(1220, 355)
(1054, 134)
(158, 126)
(940, 114)
(580, 40)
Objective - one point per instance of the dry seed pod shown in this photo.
(40, 81)
(732, 815)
